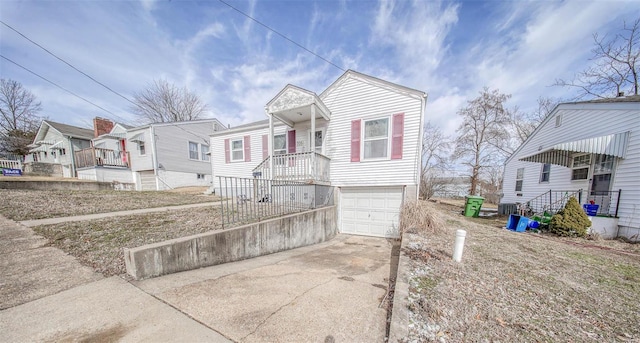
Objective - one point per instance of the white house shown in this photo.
(170, 155)
(591, 149)
(361, 135)
(52, 150)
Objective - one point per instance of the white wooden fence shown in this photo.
(9, 164)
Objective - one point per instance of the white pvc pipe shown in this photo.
(459, 245)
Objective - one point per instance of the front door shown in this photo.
(601, 181)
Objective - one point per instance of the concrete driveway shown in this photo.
(322, 293)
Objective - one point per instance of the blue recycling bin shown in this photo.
(517, 223)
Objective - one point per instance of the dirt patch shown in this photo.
(518, 287)
(36, 204)
(98, 243)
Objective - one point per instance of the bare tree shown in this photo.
(483, 129)
(615, 66)
(522, 124)
(435, 146)
(165, 102)
(19, 118)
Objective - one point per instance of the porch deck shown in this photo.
(309, 167)
(98, 157)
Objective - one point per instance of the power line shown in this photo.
(64, 89)
(283, 36)
(69, 64)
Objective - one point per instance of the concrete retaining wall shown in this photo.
(65, 185)
(217, 247)
(44, 169)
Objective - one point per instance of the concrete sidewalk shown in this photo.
(103, 311)
(327, 292)
(29, 269)
(48, 221)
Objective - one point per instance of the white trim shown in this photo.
(231, 159)
(362, 140)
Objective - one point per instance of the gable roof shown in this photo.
(70, 130)
(374, 80)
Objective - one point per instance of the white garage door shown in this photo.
(370, 211)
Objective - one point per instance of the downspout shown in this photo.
(419, 169)
(154, 159)
(73, 158)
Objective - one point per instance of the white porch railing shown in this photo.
(303, 166)
(10, 164)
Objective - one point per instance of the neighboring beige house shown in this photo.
(52, 150)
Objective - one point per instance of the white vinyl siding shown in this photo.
(140, 160)
(603, 119)
(241, 168)
(355, 99)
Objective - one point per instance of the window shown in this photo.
(546, 171)
(204, 152)
(558, 120)
(376, 138)
(141, 149)
(319, 137)
(237, 150)
(603, 165)
(193, 151)
(63, 151)
(200, 176)
(581, 165)
(519, 179)
(280, 144)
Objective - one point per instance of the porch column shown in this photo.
(312, 170)
(270, 140)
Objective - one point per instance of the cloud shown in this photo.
(416, 32)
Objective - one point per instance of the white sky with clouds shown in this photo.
(448, 49)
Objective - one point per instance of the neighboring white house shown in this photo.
(361, 135)
(593, 146)
(52, 150)
(170, 155)
(108, 158)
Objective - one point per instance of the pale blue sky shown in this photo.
(447, 49)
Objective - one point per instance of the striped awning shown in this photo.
(137, 138)
(39, 149)
(561, 154)
(58, 146)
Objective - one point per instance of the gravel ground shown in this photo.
(98, 243)
(35, 204)
(521, 287)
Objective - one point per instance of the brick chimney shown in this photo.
(101, 126)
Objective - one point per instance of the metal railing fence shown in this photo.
(245, 200)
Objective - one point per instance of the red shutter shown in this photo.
(355, 140)
(291, 142)
(265, 147)
(247, 148)
(397, 136)
(227, 153)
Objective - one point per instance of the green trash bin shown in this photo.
(472, 205)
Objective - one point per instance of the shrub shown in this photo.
(420, 217)
(570, 221)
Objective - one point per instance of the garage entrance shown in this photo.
(370, 211)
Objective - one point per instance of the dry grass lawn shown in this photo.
(521, 287)
(35, 204)
(98, 243)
